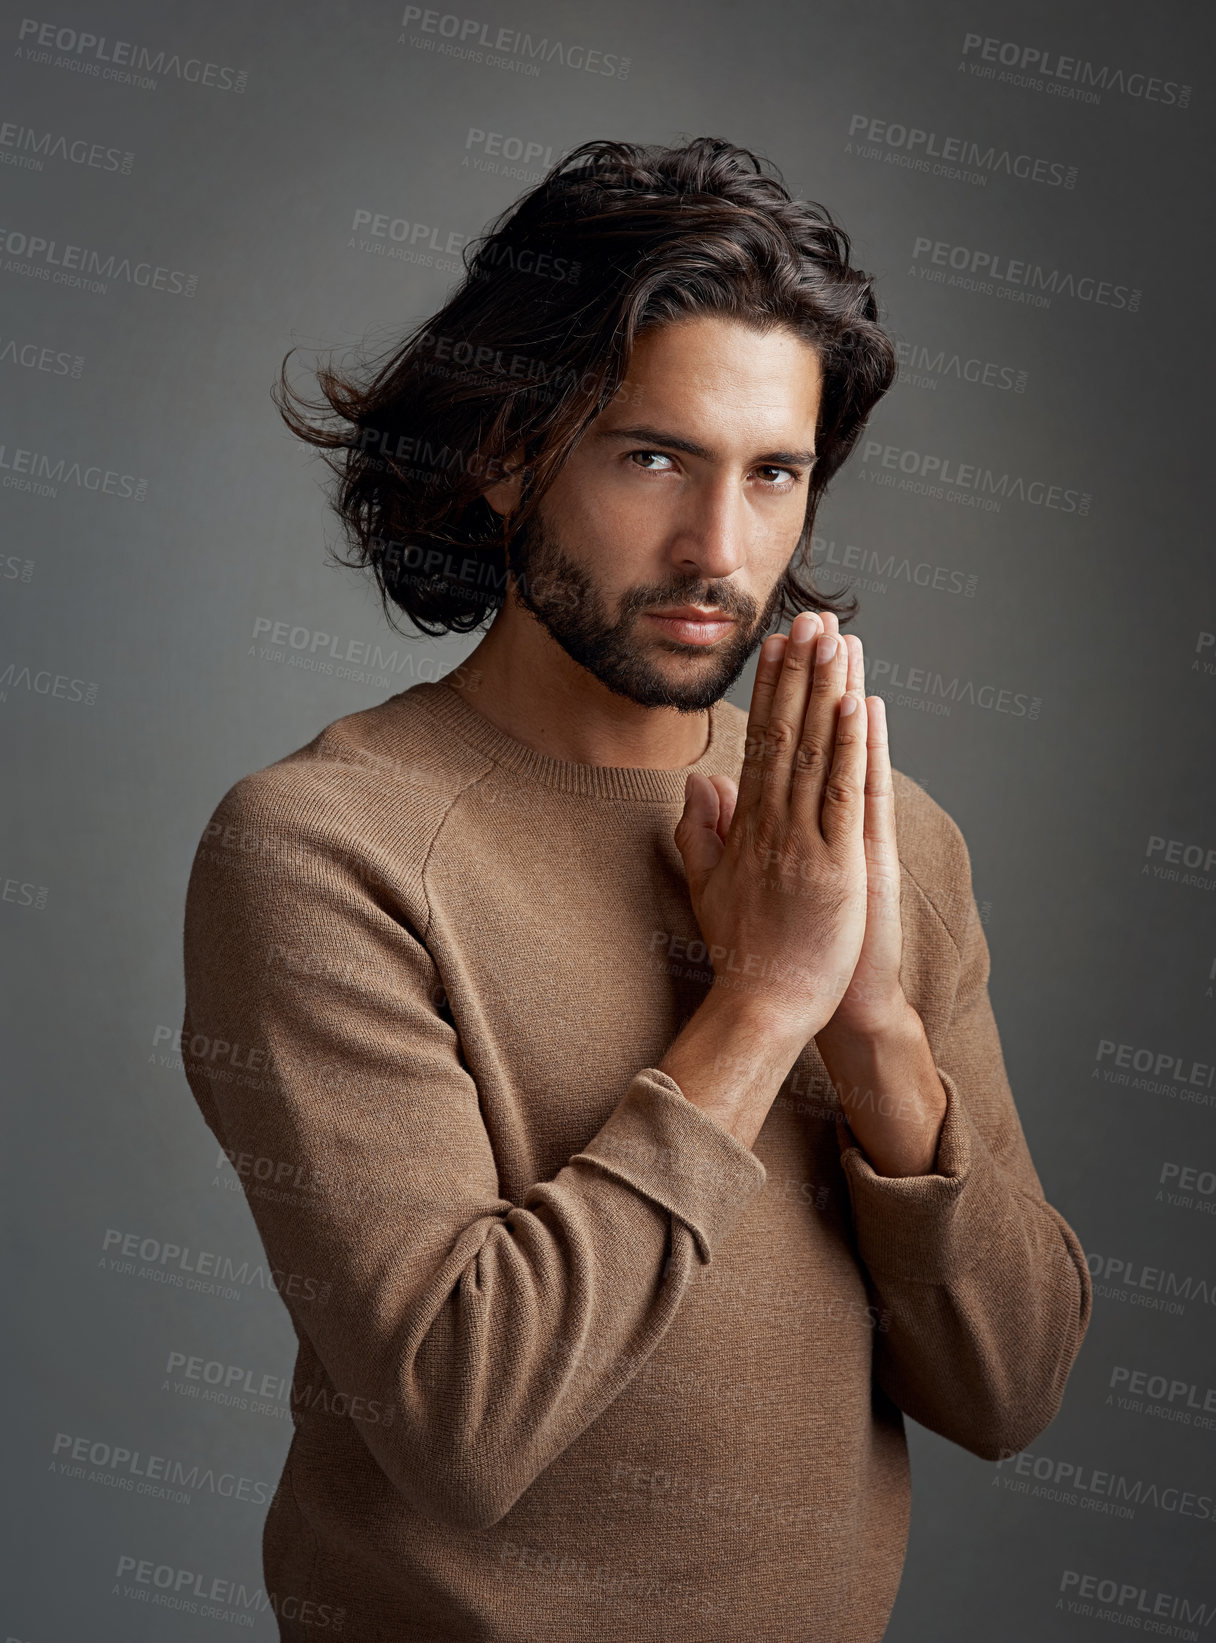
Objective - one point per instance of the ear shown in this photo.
(503, 494)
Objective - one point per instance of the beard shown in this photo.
(560, 595)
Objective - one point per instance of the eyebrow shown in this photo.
(656, 437)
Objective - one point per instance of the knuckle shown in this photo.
(780, 737)
(840, 790)
(812, 753)
(809, 773)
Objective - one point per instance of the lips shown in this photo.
(690, 625)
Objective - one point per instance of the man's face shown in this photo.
(690, 489)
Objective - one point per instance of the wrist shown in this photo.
(890, 1093)
(896, 1023)
(730, 1060)
(754, 1021)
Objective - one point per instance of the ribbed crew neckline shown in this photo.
(565, 775)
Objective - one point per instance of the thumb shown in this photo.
(696, 835)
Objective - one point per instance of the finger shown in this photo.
(881, 846)
(696, 832)
(728, 795)
(782, 727)
(877, 830)
(844, 794)
(857, 668)
(818, 739)
(768, 671)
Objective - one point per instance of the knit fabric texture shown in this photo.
(574, 1363)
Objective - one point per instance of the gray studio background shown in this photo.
(1049, 662)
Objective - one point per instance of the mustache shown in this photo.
(638, 600)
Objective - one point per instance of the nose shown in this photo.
(709, 539)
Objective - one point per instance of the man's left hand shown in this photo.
(874, 1047)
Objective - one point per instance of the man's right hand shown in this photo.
(777, 870)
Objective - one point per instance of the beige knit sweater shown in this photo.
(574, 1363)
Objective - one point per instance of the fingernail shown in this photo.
(848, 704)
(826, 648)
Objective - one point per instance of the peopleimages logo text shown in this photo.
(924, 366)
(463, 36)
(1016, 271)
(1035, 62)
(971, 476)
(915, 143)
(108, 58)
(69, 264)
(32, 145)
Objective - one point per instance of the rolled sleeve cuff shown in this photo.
(927, 1228)
(663, 1146)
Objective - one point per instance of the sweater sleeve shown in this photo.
(986, 1285)
(495, 1332)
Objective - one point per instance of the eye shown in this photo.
(774, 477)
(791, 477)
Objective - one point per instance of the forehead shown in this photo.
(710, 368)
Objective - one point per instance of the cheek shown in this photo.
(612, 528)
(601, 488)
(780, 529)
(628, 522)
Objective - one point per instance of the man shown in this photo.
(630, 1138)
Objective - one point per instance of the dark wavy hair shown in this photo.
(535, 342)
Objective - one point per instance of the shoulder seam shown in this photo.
(442, 823)
(949, 825)
(321, 759)
(934, 908)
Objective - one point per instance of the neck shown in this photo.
(524, 683)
